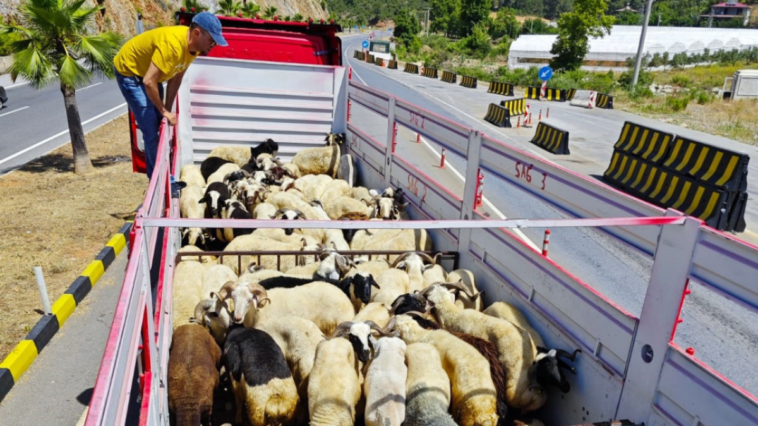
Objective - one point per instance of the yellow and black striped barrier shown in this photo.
(715, 166)
(24, 354)
(429, 72)
(355, 54)
(515, 106)
(570, 93)
(556, 95)
(361, 56)
(411, 68)
(498, 115)
(449, 77)
(644, 142)
(505, 89)
(669, 189)
(379, 61)
(532, 92)
(551, 139)
(392, 64)
(469, 82)
(370, 58)
(604, 101)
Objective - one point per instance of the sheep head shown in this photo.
(410, 302)
(360, 336)
(548, 365)
(289, 214)
(192, 235)
(406, 328)
(333, 266)
(361, 284)
(410, 262)
(213, 314)
(243, 296)
(439, 294)
(332, 139)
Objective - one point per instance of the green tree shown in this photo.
(229, 7)
(472, 13)
(478, 43)
(537, 26)
(554, 8)
(587, 20)
(505, 24)
(250, 9)
(628, 18)
(270, 12)
(297, 18)
(56, 46)
(528, 7)
(407, 27)
(443, 14)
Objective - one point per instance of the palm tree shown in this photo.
(228, 7)
(250, 10)
(56, 46)
(297, 18)
(270, 12)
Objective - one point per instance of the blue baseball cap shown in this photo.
(209, 22)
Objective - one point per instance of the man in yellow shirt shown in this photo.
(158, 56)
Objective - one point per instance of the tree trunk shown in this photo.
(82, 163)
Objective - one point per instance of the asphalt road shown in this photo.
(723, 334)
(33, 122)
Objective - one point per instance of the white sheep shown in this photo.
(317, 161)
(191, 208)
(191, 175)
(240, 155)
(265, 211)
(392, 283)
(334, 189)
(345, 205)
(473, 392)
(186, 292)
(384, 385)
(467, 279)
(254, 242)
(205, 259)
(278, 234)
(334, 387)
(374, 311)
(312, 186)
(400, 240)
(434, 274)
(512, 314)
(220, 174)
(427, 388)
(516, 349)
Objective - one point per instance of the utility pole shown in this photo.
(638, 62)
(427, 22)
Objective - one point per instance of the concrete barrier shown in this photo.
(449, 77)
(392, 64)
(644, 142)
(604, 101)
(505, 89)
(429, 72)
(498, 115)
(379, 61)
(551, 139)
(570, 93)
(556, 95)
(469, 82)
(584, 99)
(370, 58)
(515, 106)
(715, 166)
(532, 92)
(411, 68)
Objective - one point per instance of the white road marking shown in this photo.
(19, 84)
(91, 85)
(484, 199)
(23, 151)
(15, 110)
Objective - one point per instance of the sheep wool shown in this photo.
(427, 388)
(513, 315)
(384, 387)
(335, 383)
(316, 161)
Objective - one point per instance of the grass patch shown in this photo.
(60, 221)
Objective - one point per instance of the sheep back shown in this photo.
(218, 175)
(514, 315)
(384, 386)
(187, 288)
(254, 242)
(427, 388)
(317, 161)
(260, 376)
(342, 205)
(192, 374)
(320, 302)
(334, 387)
(191, 175)
(240, 155)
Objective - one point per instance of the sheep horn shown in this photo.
(400, 258)
(253, 267)
(342, 329)
(226, 290)
(298, 213)
(374, 326)
(430, 259)
(396, 303)
(200, 309)
(565, 354)
(391, 325)
(278, 212)
(459, 286)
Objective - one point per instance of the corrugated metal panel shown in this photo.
(242, 103)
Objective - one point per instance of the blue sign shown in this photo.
(364, 44)
(546, 73)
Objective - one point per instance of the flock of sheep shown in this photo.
(333, 339)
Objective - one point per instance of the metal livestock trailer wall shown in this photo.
(629, 368)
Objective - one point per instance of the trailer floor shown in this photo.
(58, 386)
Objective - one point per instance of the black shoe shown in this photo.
(176, 187)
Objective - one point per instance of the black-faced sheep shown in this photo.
(211, 164)
(216, 195)
(261, 380)
(358, 288)
(192, 375)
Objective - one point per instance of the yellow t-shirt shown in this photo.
(166, 47)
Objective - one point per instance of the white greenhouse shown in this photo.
(611, 51)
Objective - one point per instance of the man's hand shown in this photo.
(170, 117)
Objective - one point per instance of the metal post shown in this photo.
(442, 160)
(638, 61)
(42, 290)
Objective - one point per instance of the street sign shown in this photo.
(364, 44)
(546, 73)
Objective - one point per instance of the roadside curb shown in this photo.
(24, 354)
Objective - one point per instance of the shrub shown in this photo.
(677, 103)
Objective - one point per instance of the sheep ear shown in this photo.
(202, 200)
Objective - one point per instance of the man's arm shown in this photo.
(151, 83)
(171, 89)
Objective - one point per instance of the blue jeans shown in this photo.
(147, 115)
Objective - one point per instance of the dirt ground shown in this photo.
(60, 221)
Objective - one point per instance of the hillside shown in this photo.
(120, 15)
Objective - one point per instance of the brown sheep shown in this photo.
(354, 216)
(192, 375)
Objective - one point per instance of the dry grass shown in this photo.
(60, 221)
